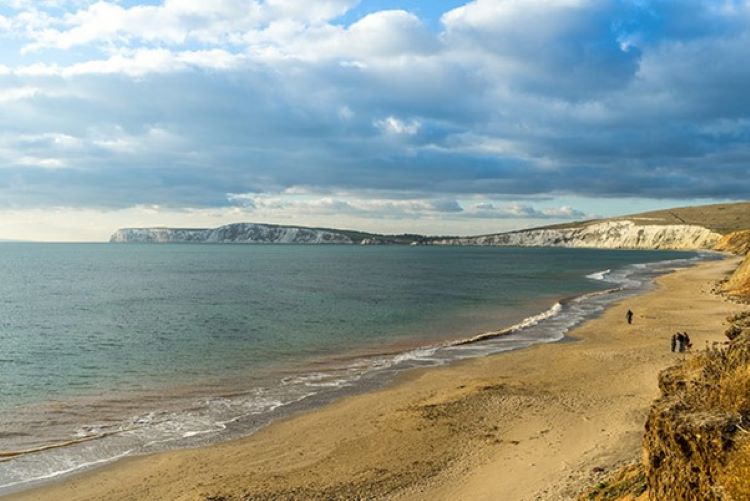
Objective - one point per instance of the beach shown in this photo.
(537, 423)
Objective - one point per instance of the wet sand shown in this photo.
(538, 423)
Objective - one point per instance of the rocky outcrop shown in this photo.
(739, 326)
(737, 242)
(245, 233)
(739, 283)
(697, 442)
(613, 234)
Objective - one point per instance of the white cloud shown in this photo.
(55, 139)
(393, 125)
(174, 21)
(291, 205)
(391, 33)
(152, 39)
(523, 211)
(384, 35)
(313, 12)
(17, 93)
(138, 63)
(117, 140)
(44, 163)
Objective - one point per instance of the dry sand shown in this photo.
(532, 424)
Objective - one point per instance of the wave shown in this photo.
(599, 275)
(8, 455)
(72, 469)
(525, 323)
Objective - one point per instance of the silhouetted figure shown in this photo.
(674, 342)
(686, 338)
(680, 342)
(629, 316)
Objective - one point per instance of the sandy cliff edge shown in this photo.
(738, 284)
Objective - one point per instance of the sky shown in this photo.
(439, 117)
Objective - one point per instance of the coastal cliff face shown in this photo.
(739, 283)
(697, 443)
(697, 440)
(722, 227)
(248, 233)
(615, 234)
(737, 242)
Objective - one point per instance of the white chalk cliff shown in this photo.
(243, 233)
(613, 234)
(610, 234)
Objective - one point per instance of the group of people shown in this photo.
(680, 340)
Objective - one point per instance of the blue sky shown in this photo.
(385, 115)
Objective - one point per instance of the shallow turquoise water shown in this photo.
(81, 318)
(136, 346)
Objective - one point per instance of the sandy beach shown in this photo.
(538, 423)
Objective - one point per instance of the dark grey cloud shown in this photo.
(510, 99)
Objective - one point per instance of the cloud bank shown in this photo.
(241, 103)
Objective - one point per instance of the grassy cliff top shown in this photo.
(721, 218)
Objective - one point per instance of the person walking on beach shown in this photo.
(680, 342)
(629, 316)
(674, 342)
(686, 340)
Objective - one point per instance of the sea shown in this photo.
(114, 350)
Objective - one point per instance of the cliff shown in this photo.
(233, 233)
(606, 235)
(691, 228)
(697, 443)
(687, 228)
(737, 242)
(254, 233)
(612, 234)
(697, 440)
(739, 283)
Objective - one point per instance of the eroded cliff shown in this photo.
(738, 284)
(232, 233)
(723, 226)
(737, 242)
(697, 443)
(697, 440)
(615, 234)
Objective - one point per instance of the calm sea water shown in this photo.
(109, 350)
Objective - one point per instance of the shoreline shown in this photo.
(413, 389)
(322, 382)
